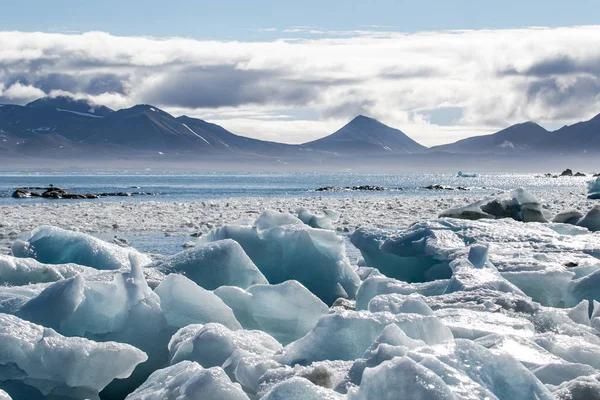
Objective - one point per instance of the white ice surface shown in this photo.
(214, 264)
(188, 381)
(50, 362)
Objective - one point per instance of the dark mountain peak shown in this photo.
(366, 135)
(527, 126)
(65, 103)
(364, 121)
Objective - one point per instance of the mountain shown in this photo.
(221, 138)
(579, 137)
(67, 104)
(527, 136)
(62, 127)
(364, 135)
(62, 124)
(530, 138)
(144, 127)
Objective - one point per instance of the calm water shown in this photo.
(185, 186)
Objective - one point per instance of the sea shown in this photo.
(181, 186)
(197, 186)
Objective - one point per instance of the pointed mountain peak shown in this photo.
(146, 109)
(363, 119)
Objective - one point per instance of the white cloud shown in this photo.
(497, 78)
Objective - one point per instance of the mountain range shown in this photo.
(61, 126)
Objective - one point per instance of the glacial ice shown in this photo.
(214, 264)
(400, 378)
(519, 204)
(286, 311)
(318, 221)
(567, 217)
(212, 344)
(447, 308)
(545, 256)
(23, 271)
(505, 377)
(188, 380)
(583, 387)
(54, 364)
(184, 303)
(283, 248)
(594, 189)
(591, 220)
(4, 395)
(301, 388)
(52, 245)
(345, 335)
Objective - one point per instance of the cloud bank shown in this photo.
(296, 90)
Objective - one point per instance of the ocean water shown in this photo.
(194, 186)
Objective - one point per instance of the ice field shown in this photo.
(454, 296)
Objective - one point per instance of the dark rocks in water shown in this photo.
(58, 193)
(55, 193)
(549, 175)
(579, 174)
(339, 188)
(596, 175)
(115, 194)
(440, 187)
(21, 194)
(567, 172)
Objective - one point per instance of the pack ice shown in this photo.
(501, 308)
(284, 248)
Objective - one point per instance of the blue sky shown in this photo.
(240, 19)
(295, 71)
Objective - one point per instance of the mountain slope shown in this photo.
(144, 127)
(364, 135)
(221, 138)
(527, 136)
(579, 137)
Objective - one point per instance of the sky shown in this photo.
(295, 71)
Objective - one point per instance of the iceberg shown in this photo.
(418, 254)
(215, 264)
(567, 217)
(286, 311)
(465, 175)
(16, 271)
(591, 220)
(520, 205)
(188, 380)
(318, 221)
(212, 344)
(57, 365)
(345, 335)
(400, 378)
(184, 303)
(585, 387)
(594, 189)
(297, 388)
(502, 375)
(283, 248)
(52, 245)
